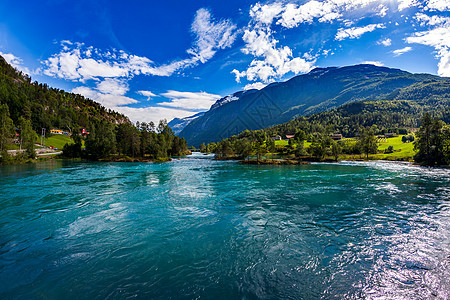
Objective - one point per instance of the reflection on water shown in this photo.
(196, 227)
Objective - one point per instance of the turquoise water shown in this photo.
(198, 228)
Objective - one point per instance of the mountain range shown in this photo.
(317, 91)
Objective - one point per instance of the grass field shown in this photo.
(57, 141)
(284, 143)
(402, 151)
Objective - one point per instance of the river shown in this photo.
(199, 228)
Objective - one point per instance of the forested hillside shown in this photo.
(48, 107)
(31, 106)
(404, 110)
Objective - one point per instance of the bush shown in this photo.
(389, 149)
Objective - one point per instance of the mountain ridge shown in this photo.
(319, 90)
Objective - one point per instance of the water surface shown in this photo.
(198, 228)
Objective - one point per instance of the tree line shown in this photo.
(259, 143)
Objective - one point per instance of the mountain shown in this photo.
(402, 109)
(178, 124)
(319, 90)
(48, 107)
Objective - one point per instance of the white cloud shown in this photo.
(181, 104)
(189, 100)
(439, 39)
(210, 36)
(108, 100)
(112, 69)
(153, 113)
(256, 85)
(265, 14)
(113, 86)
(294, 14)
(15, 62)
(434, 20)
(401, 51)
(375, 63)
(147, 94)
(77, 62)
(273, 61)
(356, 32)
(383, 10)
(404, 4)
(441, 5)
(386, 42)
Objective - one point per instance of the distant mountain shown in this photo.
(178, 124)
(318, 91)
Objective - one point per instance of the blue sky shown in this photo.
(164, 59)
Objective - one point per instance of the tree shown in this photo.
(202, 147)
(270, 145)
(368, 141)
(336, 150)
(73, 150)
(446, 143)
(128, 139)
(389, 149)
(101, 141)
(320, 145)
(28, 137)
(300, 135)
(243, 148)
(6, 127)
(300, 149)
(430, 142)
(259, 148)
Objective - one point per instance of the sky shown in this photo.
(153, 60)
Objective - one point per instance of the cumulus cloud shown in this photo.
(180, 104)
(440, 5)
(356, 32)
(113, 86)
(256, 85)
(294, 14)
(372, 62)
(401, 51)
(189, 100)
(153, 113)
(147, 94)
(439, 39)
(404, 4)
(425, 20)
(271, 61)
(386, 42)
(112, 101)
(15, 61)
(382, 10)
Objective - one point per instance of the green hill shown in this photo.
(48, 107)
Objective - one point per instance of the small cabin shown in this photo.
(289, 136)
(336, 136)
(277, 138)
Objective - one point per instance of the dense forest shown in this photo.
(26, 107)
(360, 121)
